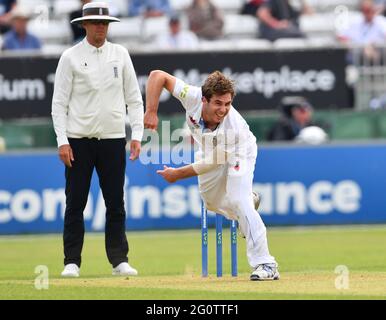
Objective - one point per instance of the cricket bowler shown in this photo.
(225, 159)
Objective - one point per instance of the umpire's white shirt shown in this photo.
(91, 91)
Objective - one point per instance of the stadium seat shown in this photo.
(227, 6)
(237, 26)
(35, 3)
(318, 23)
(122, 6)
(55, 31)
(152, 27)
(127, 29)
(327, 23)
(54, 49)
(249, 44)
(322, 41)
(180, 5)
(62, 8)
(231, 6)
(328, 5)
(206, 45)
(290, 43)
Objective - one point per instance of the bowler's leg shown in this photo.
(240, 200)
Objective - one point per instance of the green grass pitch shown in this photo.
(169, 265)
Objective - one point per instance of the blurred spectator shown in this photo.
(78, 33)
(149, 8)
(296, 115)
(280, 19)
(18, 38)
(177, 38)
(2, 144)
(378, 102)
(367, 33)
(380, 6)
(365, 37)
(250, 7)
(205, 19)
(114, 9)
(5, 14)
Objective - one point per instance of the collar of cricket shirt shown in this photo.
(93, 49)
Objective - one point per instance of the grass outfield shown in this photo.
(169, 263)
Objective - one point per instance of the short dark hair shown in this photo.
(174, 19)
(289, 103)
(217, 83)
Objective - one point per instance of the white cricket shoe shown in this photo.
(71, 271)
(124, 269)
(267, 271)
(256, 199)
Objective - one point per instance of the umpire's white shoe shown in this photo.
(124, 269)
(256, 199)
(71, 271)
(267, 271)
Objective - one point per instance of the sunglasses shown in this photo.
(303, 109)
(96, 22)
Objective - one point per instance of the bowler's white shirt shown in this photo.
(91, 91)
(232, 136)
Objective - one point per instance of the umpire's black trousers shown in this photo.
(108, 157)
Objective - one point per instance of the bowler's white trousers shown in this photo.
(227, 190)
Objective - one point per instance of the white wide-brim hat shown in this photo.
(95, 11)
(21, 12)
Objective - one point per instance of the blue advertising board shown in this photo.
(299, 185)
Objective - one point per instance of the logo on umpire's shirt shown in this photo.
(116, 72)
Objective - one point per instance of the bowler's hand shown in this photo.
(169, 174)
(151, 120)
(135, 149)
(66, 155)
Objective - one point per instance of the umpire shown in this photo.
(95, 81)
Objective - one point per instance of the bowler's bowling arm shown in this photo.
(158, 80)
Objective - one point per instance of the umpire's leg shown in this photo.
(110, 166)
(78, 180)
